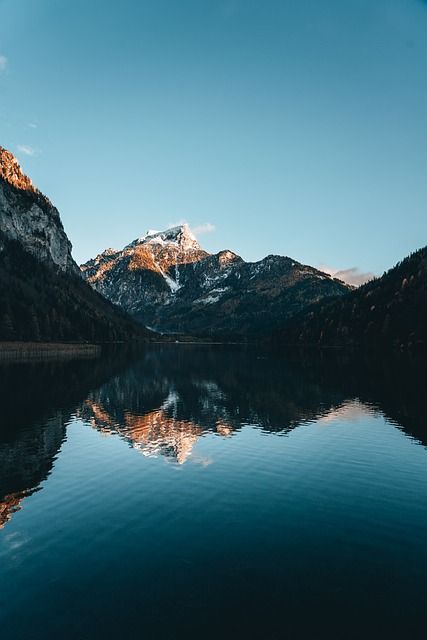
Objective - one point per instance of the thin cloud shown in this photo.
(207, 227)
(198, 230)
(3, 63)
(353, 275)
(27, 150)
(32, 125)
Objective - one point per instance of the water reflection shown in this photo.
(161, 401)
(154, 433)
(38, 401)
(27, 460)
(170, 397)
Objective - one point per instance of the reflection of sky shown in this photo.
(350, 411)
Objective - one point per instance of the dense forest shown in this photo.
(390, 311)
(38, 302)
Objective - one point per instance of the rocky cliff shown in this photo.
(28, 217)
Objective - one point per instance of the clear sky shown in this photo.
(296, 127)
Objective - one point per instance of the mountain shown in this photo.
(169, 283)
(42, 293)
(28, 217)
(390, 311)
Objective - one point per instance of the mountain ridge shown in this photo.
(168, 282)
(388, 311)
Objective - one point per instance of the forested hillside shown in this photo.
(390, 311)
(37, 303)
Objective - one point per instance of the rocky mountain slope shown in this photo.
(42, 293)
(168, 282)
(27, 216)
(390, 311)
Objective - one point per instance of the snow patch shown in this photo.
(214, 296)
(207, 300)
(173, 286)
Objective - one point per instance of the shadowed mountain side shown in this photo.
(37, 303)
(390, 311)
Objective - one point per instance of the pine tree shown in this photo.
(7, 331)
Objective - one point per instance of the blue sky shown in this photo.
(295, 127)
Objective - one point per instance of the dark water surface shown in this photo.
(213, 492)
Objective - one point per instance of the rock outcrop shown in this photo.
(28, 217)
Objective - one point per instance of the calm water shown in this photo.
(206, 492)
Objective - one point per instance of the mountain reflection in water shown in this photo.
(277, 495)
(153, 433)
(163, 399)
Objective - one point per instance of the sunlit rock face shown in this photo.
(28, 217)
(11, 172)
(146, 272)
(168, 282)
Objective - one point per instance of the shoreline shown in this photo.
(47, 350)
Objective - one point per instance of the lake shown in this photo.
(188, 491)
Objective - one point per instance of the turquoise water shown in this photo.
(188, 492)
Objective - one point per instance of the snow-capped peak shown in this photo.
(181, 236)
